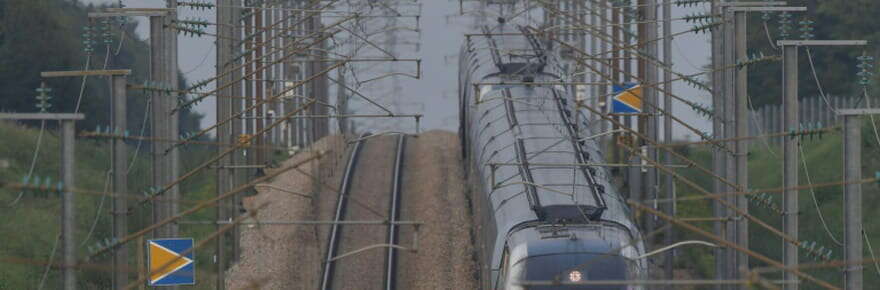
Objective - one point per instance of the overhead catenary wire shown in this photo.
(257, 104)
(735, 246)
(831, 129)
(866, 180)
(819, 83)
(778, 190)
(760, 129)
(208, 203)
(871, 251)
(94, 222)
(132, 165)
(221, 155)
(690, 183)
(201, 243)
(258, 69)
(33, 160)
(103, 193)
(873, 123)
(100, 208)
(682, 243)
(769, 37)
(76, 110)
(208, 53)
(655, 86)
(195, 142)
(261, 44)
(813, 196)
(39, 142)
(51, 261)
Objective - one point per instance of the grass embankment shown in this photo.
(30, 225)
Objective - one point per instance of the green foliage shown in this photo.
(836, 67)
(825, 160)
(47, 35)
(31, 225)
(699, 259)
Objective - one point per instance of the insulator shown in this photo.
(785, 25)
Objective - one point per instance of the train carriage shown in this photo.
(546, 218)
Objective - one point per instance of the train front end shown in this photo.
(586, 256)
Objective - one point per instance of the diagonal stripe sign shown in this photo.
(168, 267)
(627, 98)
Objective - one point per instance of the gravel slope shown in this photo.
(285, 256)
(433, 192)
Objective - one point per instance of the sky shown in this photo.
(434, 95)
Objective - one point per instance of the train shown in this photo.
(546, 213)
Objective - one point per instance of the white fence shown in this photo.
(813, 112)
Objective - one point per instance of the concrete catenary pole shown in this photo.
(249, 45)
(651, 98)
(615, 79)
(225, 134)
(173, 129)
(603, 89)
(721, 261)
(291, 70)
(594, 47)
(739, 15)
(238, 158)
(259, 84)
(741, 147)
(173, 118)
(341, 100)
(269, 78)
(68, 210)
(729, 111)
(852, 200)
(634, 173)
(163, 120)
(68, 198)
(318, 87)
(119, 158)
(790, 157)
(163, 71)
(159, 117)
(669, 186)
(790, 145)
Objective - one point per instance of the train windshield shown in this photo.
(573, 271)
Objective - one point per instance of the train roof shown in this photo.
(528, 136)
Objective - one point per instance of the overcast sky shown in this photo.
(441, 37)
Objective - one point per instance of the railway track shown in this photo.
(353, 258)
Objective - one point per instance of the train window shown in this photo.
(505, 263)
(566, 270)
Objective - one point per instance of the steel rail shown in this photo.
(333, 242)
(394, 212)
(393, 223)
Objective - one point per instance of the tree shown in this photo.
(46, 35)
(835, 67)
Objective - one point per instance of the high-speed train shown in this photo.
(546, 218)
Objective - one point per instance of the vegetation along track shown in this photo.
(361, 253)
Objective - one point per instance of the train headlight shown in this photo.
(575, 276)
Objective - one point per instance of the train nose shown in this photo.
(570, 258)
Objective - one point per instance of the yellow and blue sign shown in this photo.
(627, 98)
(171, 262)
